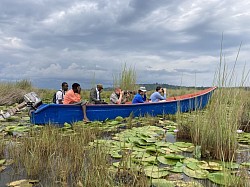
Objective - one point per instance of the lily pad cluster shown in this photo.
(144, 149)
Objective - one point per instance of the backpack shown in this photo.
(54, 96)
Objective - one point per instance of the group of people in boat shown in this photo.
(119, 96)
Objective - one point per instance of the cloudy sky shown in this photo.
(89, 41)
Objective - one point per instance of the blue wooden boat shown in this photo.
(59, 114)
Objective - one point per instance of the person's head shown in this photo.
(76, 88)
(118, 90)
(65, 86)
(159, 89)
(140, 92)
(99, 87)
(143, 89)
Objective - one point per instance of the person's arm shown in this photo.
(144, 98)
(160, 97)
(121, 100)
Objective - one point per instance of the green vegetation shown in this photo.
(131, 151)
(126, 79)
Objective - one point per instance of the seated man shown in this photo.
(156, 96)
(144, 97)
(95, 95)
(118, 96)
(73, 97)
(139, 97)
(61, 93)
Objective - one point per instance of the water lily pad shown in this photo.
(116, 164)
(23, 182)
(162, 183)
(247, 164)
(178, 168)
(115, 154)
(187, 184)
(215, 166)
(26, 118)
(188, 160)
(2, 161)
(187, 149)
(156, 174)
(174, 148)
(140, 155)
(153, 150)
(2, 168)
(198, 174)
(219, 177)
(231, 165)
(174, 156)
(163, 144)
(113, 122)
(67, 125)
(183, 144)
(167, 161)
(151, 159)
(193, 166)
(154, 168)
(119, 118)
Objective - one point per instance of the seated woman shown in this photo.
(156, 96)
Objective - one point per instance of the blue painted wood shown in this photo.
(59, 114)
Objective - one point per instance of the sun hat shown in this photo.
(143, 89)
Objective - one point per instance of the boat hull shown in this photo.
(59, 114)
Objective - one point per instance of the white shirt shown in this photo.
(59, 95)
(98, 94)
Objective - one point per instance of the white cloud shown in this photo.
(166, 41)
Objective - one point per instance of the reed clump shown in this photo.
(11, 93)
(63, 157)
(126, 79)
(216, 129)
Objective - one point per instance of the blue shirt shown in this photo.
(137, 99)
(156, 96)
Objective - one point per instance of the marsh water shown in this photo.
(12, 174)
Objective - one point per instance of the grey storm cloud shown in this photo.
(89, 41)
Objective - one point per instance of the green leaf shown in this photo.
(183, 144)
(2, 161)
(219, 177)
(156, 174)
(198, 174)
(174, 156)
(119, 118)
(162, 183)
(167, 161)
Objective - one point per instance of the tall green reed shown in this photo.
(126, 79)
(215, 129)
(63, 157)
